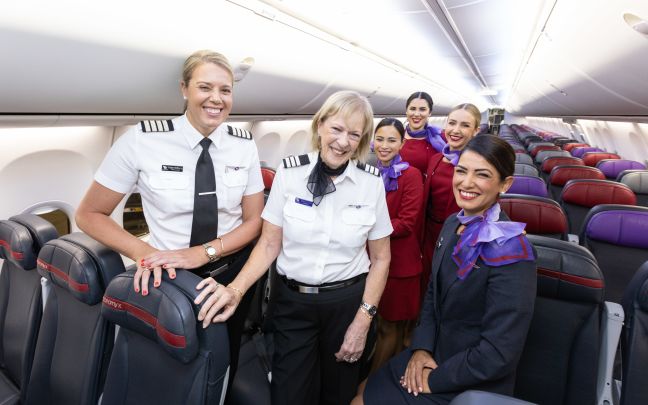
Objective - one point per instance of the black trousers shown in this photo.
(236, 322)
(308, 330)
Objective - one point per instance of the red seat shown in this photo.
(562, 174)
(592, 158)
(268, 177)
(568, 147)
(543, 216)
(538, 148)
(549, 163)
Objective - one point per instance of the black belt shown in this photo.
(316, 289)
(221, 265)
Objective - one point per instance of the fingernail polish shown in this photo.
(172, 276)
(156, 284)
(144, 292)
(136, 289)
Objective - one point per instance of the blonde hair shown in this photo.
(345, 103)
(471, 109)
(204, 56)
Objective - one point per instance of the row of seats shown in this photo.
(61, 301)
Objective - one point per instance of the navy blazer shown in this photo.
(475, 328)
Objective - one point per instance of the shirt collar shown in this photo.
(194, 137)
(349, 172)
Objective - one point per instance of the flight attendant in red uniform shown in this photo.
(423, 139)
(400, 301)
(461, 126)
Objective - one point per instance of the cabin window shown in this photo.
(134, 221)
(59, 219)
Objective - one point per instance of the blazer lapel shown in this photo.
(440, 250)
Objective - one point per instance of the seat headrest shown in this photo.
(592, 158)
(562, 174)
(588, 193)
(530, 185)
(618, 225)
(567, 271)
(167, 315)
(538, 148)
(268, 175)
(570, 146)
(612, 167)
(636, 292)
(580, 151)
(549, 163)
(21, 238)
(637, 180)
(542, 215)
(80, 265)
(545, 154)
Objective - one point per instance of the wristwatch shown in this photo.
(371, 310)
(211, 252)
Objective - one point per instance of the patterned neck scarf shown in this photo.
(486, 232)
(432, 135)
(320, 182)
(391, 173)
(451, 155)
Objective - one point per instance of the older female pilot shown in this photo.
(324, 208)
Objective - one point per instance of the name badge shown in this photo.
(170, 168)
(357, 206)
(303, 202)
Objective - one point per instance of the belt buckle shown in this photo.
(219, 270)
(308, 290)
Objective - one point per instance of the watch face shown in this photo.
(211, 251)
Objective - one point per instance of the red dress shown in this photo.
(401, 298)
(439, 204)
(418, 153)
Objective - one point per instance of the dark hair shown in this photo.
(422, 95)
(394, 123)
(496, 151)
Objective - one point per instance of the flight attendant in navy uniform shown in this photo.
(200, 183)
(324, 209)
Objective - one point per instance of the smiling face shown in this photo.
(387, 144)
(418, 112)
(209, 97)
(340, 137)
(460, 128)
(476, 183)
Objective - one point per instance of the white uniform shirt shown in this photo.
(163, 165)
(326, 242)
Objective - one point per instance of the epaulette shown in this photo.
(295, 161)
(157, 125)
(239, 133)
(368, 168)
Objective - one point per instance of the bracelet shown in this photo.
(365, 313)
(222, 252)
(239, 292)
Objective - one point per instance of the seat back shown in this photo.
(544, 154)
(21, 308)
(74, 341)
(592, 158)
(634, 339)
(570, 146)
(559, 364)
(543, 216)
(637, 180)
(268, 175)
(523, 158)
(525, 169)
(612, 167)
(560, 175)
(578, 196)
(162, 355)
(529, 185)
(549, 163)
(580, 151)
(616, 235)
(539, 148)
(562, 142)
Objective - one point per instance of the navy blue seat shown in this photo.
(634, 339)
(162, 354)
(74, 341)
(617, 236)
(21, 307)
(559, 364)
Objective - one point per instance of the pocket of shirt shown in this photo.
(235, 176)
(357, 220)
(169, 181)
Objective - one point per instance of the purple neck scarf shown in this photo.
(432, 135)
(391, 173)
(451, 155)
(485, 236)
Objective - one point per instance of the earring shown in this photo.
(184, 97)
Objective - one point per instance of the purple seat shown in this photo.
(616, 235)
(612, 167)
(579, 152)
(529, 185)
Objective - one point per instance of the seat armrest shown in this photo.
(611, 324)
(486, 398)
